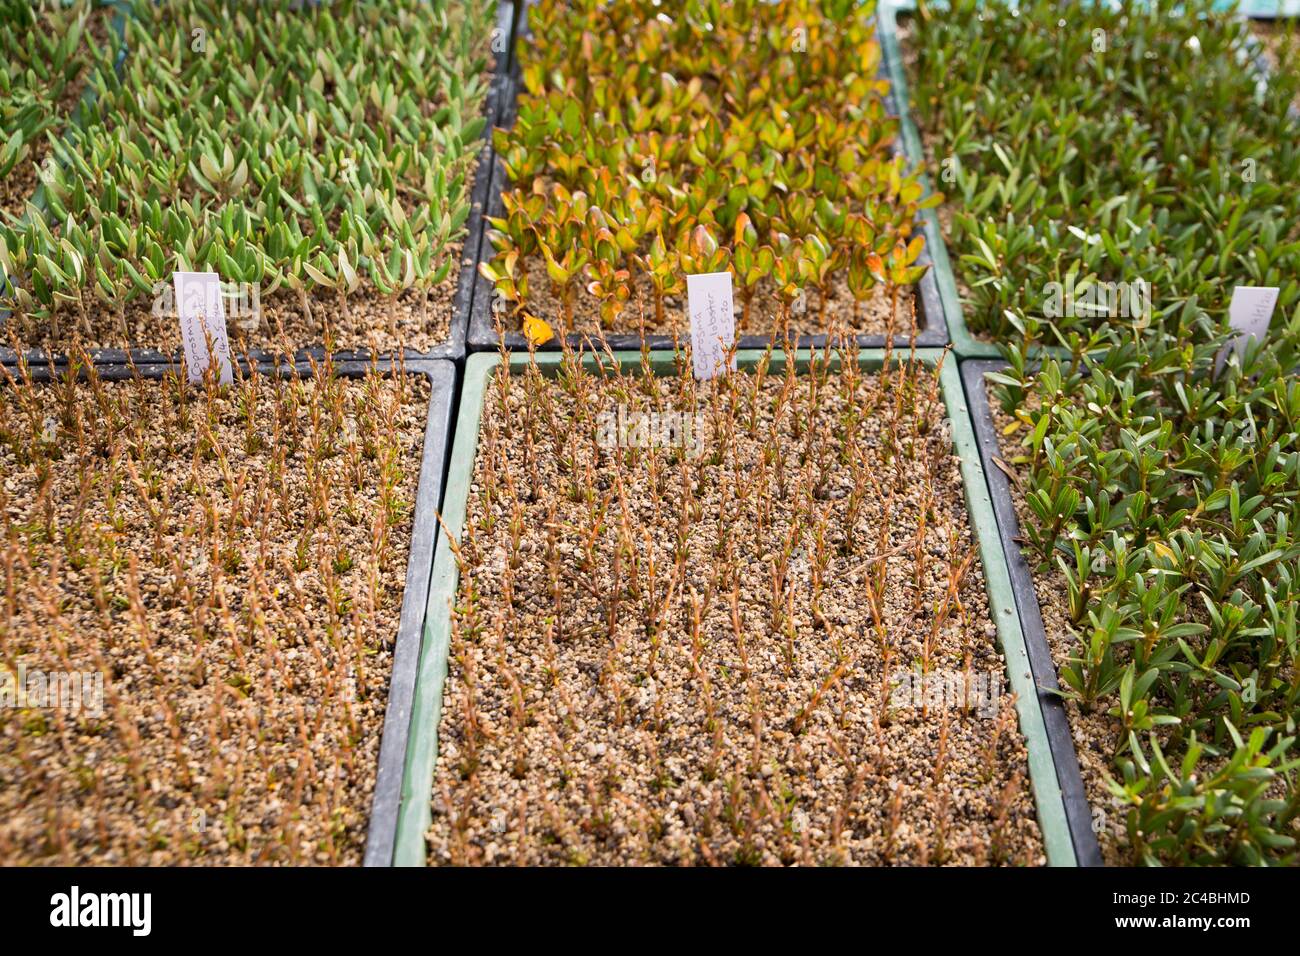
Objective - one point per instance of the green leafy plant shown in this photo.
(46, 49)
(262, 142)
(1089, 146)
(1156, 488)
(1163, 497)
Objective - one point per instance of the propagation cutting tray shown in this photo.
(964, 342)
(412, 626)
(415, 814)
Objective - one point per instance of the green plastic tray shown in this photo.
(415, 813)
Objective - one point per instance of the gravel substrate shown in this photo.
(694, 652)
(229, 566)
(839, 314)
(365, 320)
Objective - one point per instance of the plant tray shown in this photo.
(383, 818)
(415, 814)
(462, 304)
(483, 337)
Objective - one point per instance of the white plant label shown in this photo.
(1248, 315)
(713, 323)
(199, 305)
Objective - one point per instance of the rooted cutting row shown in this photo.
(200, 591)
(712, 623)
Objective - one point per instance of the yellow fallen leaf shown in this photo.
(537, 330)
(1163, 550)
(1013, 426)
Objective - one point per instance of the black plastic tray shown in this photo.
(442, 376)
(1078, 814)
(932, 328)
(454, 347)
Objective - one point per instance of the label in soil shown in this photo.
(1248, 316)
(713, 323)
(203, 318)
